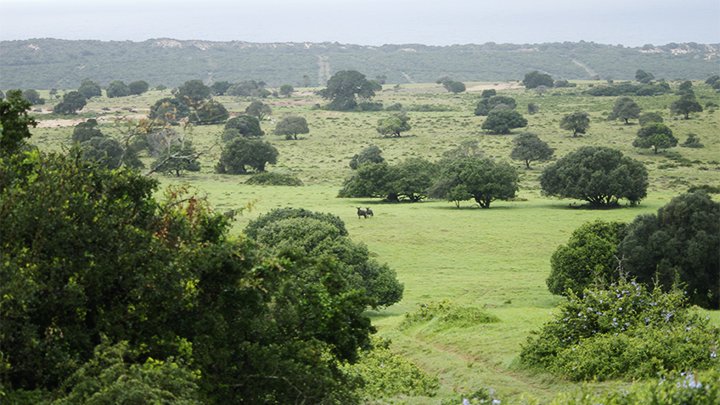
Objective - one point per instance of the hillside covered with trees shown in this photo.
(62, 64)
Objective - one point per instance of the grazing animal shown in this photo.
(368, 211)
(362, 213)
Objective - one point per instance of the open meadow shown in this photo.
(494, 259)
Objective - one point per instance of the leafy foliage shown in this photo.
(258, 109)
(535, 79)
(248, 125)
(109, 153)
(342, 88)
(686, 105)
(371, 154)
(86, 130)
(33, 96)
(529, 147)
(649, 118)
(394, 125)
(291, 126)
(596, 174)
(71, 103)
(138, 87)
(588, 258)
(626, 109)
(14, 122)
(117, 88)
(481, 179)
(241, 152)
(678, 245)
(408, 180)
(577, 122)
(643, 76)
(192, 92)
(178, 158)
(445, 314)
(89, 89)
(502, 121)
(208, 113)
(279, 214)
(168, 110)
(655, 135)
(622, 332)
(274, 179)
(286, 90)
(487, 104)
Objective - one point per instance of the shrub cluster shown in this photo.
(623, 332)
(274, 179)
(446, 313)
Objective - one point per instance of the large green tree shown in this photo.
(371, 154)
(502, 121)
(292, 125)
(168, 110)
(686, 105)
(482, 179)
(258, 109)
(192, 92)
(343, 88)
(86, 130)
(529, 147)
(117, 88)
(625, 109)
(487, 104)
(71, 103)
(596, 174)
(177, 158)
(89, 88)
(587, 259)
(678, 245)
(242, 152)
(535, 79)
(655, 135)
(393, 125)
(577, 122)
(286, 90)
(247, 125)
(15, 122)
(138, 87)
(406, 181)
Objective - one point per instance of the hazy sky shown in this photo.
(367, 22)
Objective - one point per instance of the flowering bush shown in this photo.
(624, 331)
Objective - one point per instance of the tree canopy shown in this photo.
(643, 76)
(286, 90)
(242, 152)
(371, 154)
(177, 158)
(577, 122)
(626, 109)
(408, 180)
(487, 104)
(247, 125)
(192, 92)
(502, 121)
(529, 147)
(394, 125)
(15, 122)
(535, 79)
(292, 125)
(686, 105)
(678, 245)
(71, 103)
(587, 259)
(89, 89)
(596, 174)
(117, 88)
(258, 109)
(482, 179)
(138, 87)
(168, 110)
(344, 86)
(655, 135)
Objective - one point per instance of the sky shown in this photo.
(367, 22)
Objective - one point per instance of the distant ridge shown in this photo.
(62, 64)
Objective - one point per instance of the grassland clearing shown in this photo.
(494, 259)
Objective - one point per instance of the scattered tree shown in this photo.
(532, 108)
(291, 126)
(168, 110)
(535, 78)
(286, 90)
(649, 118)
(160, 87)
(528, 147)
(89, 89)
(248, 125)
(481, 179)
(502, 121)
(564, 83)
(242, 152)
(488, 93)
(394, 125)
(485, 105)
(178, 158)
(596, 174)
(72, 102)
(678, 247)
(712, 79)
(451, 85)
(381, 79)
(117, 88)
(33, 97)
(371, 154)
(643, 76)
(540, 90)
(685, 105)
(408, 180)
(655, 135)
(192, 92)
(109, 153)
(577, 122)
(85, 131)
(344, 86)
(588, 258)
(219, 88)
(138, 87)
(625, 109)
(208, 113)
(258, 109)
(15, 122)
(685, 87)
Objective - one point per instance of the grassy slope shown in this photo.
(495, 259)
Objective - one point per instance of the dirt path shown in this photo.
(408, 77)
(584, 66)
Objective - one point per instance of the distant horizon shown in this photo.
(372, 23)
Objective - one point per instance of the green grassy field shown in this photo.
(496, 259)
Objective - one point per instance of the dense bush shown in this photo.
(407, 180)
(623, 332)
(445, 314)
(485, 105)
(274, 179)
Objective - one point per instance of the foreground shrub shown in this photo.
(274, 179)
(387, 374)
(623, 332)
(447, 314)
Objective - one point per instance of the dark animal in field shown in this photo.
(368, 211)
(362, 213)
